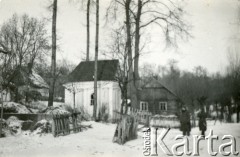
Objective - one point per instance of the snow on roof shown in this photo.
(22, 76)
(37, 80)
(16, 107)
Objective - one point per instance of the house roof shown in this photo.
(153, 83)
(153, 89)
(85, 71)
(22, 76)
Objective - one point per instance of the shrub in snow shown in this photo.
(4, 123)
(84, 114)
(103, 113)
(14, 125)
(36, 106)
(42, 127)
(12, 107)
(71, 110)
(68, 108)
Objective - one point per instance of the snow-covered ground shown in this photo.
(97, 141)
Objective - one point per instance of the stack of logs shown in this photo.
(61, 124)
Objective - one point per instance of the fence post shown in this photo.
(1, 122)
(54, 126)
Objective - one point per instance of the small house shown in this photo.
(157, 99)
(79, 88)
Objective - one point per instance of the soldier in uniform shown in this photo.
(202, 122)
(185, 122)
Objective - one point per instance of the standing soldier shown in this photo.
(202, 122)
(185, 122)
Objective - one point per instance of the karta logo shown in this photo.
(152, 141)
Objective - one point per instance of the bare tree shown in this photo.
(72, 88)
(54, 47)
(234, 77)
(26, 41)
(133, 89)
(22, 41)
(117, 49)
(138, 15)
(88, 28)
(86, 6)
(3, 82)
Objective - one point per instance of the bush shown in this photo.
(36, 105)
(42, 127)
(34, 95)
(68, 108)
(103, 113)
(84, 113)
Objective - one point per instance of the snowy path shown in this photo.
(97, 141)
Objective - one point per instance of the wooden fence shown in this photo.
(143, 116)
(170, 121)
(62, 124)
(146, 118)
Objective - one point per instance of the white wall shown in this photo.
(108, 94)
(6, 96)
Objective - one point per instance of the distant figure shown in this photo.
(202, 122)
(185, 122)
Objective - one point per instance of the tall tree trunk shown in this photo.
(137, 49)
(133, 91)
(1, 122)
(53, 62)
(229, 118)
(216, 106)
(137, 40)
(96, 61)
(88, 29)
(16, 94)
(193, 114)
(222, 112)
(237, 111)
(125, 101)
(74, 100)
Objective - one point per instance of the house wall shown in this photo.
(172, 107)
(6, 96)
(155, 95)
(109, 95)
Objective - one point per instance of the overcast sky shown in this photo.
(214, 25)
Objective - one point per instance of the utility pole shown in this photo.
(96, 61)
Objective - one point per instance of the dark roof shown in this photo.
(85, 71)
(153, 83)
(154, 89)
